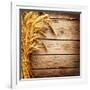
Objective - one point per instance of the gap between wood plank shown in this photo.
(54, 68)
(55, 54)
(58, 39)
(67, 19)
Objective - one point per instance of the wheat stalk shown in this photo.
(30, 34)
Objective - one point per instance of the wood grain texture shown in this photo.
(54, 61)
(64, 15)
(62, 57)
(64, 29)
(44, 63)
(59, 47)
(56, 72)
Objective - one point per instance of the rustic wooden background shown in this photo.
(63, 55)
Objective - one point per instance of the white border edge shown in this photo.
(14, 78)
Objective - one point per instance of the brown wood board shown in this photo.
(59, 47)
(56, 72)
(64, 29)
(54, 61)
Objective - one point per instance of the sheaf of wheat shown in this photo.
(31, 28)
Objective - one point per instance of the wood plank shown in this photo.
(64, 29)
(54, 61)
(56, 72)
(58, 47)
(64, 15)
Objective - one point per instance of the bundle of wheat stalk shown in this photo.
(31, 28)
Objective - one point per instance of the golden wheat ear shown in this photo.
(51, 28)
(45, 47)
(27, 16)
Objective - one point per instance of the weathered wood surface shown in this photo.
(64, 29)
(64, 15)
(54, 61)
(56, 72)
(57, 61)
(59, 47)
